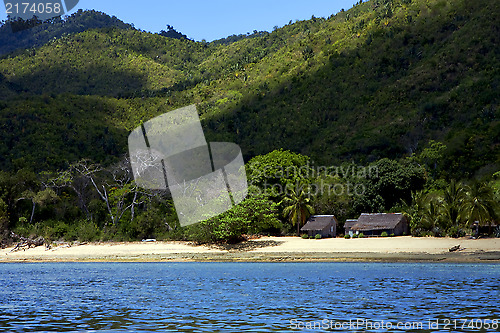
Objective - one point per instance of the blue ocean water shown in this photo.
(256, 297)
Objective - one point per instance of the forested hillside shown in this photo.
(55, 28)
(379, 80)
(384, 79)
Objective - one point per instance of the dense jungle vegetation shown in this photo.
(405, 87)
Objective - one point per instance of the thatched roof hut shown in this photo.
(325, 225)
(375, 224)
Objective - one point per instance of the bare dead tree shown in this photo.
(145, 160)
(115, 186)
(40, 198)
(70, 179)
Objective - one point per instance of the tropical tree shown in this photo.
(425, 213)
(391, 182)
(279, 167)
(432, 216)
(454, 204)
(413, 210)
(480, 204)
(431, 156)
(41, 198)
(254, 215)
(297, 206)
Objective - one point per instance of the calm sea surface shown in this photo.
(257, 297)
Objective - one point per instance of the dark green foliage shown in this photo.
(318, 236)
(456, 232)
(52, 230)
(234, 38)
(372, 86)
(297, 206)
(389, 182)
(57, 230)
(40, 34)
(255, 215)
(481, 204)
(307, 52)
(438, 232)
(150, 224)
(452, 211)
(454, 197)
(305, 236)
(86, 231)
(172, 33)
(4, 222)
(280, 168)
(52, 139)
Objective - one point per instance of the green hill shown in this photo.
(54, 28)
(379, 80)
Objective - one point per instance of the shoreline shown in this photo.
(271, 249)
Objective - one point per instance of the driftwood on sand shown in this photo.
(26, 243)
(456, 248)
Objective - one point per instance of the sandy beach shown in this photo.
(271, 249)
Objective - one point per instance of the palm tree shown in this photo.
(297, 207)
(480, 204)
(414, 209)
(454, 203)
(432, 214)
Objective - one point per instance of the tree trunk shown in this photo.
(299, 218)
(132, 209)
(32, 211)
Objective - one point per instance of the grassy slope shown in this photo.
(378, 80)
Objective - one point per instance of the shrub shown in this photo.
(253, 216)
(150, 224)
(361, 235)
(347, 236)
(354, 236)
(4, 222)
(384, 234)
(52, 230)
(318, 236)
(438, 232)
(87, 231)
(305, 236)
(307, 52)
(109, 233)
(417, 232)
(456, 232)
(199, 233)
(392, 235)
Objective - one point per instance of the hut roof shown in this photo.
(350, 223)
(378, 221)
(319, 222)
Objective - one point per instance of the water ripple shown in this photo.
(234, 297)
